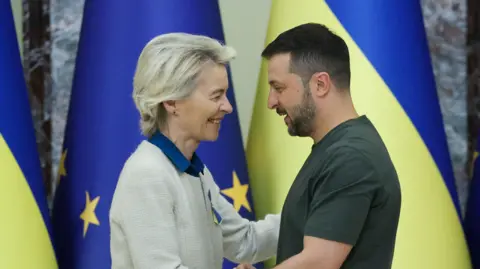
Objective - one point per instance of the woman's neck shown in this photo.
(186, 145)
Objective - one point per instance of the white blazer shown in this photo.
(162, 218)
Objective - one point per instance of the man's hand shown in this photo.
(244, 266)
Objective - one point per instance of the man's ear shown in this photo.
(170, 106)
(320, 84)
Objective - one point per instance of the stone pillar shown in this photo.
(36, 62)
(66, 18)
(445, 24)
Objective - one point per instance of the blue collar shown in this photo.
(194, 167)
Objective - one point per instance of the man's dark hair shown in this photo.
(313, 48)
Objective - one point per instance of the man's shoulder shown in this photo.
(348, 164)
(346, 150)
(364, 143)
(357, 158)
(338, 155)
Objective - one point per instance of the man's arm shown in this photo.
(340, 204)
(318, 253)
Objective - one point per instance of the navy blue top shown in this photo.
(193, 167)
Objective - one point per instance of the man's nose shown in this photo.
(272, 100)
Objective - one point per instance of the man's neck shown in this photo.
(327, 120)
(186, 145)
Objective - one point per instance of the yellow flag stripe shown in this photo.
(24, 239)
(430, 234)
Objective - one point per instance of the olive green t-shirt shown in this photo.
(347, 191)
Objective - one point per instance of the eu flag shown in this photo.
(24, 226)
(472, 214)
(103, 124)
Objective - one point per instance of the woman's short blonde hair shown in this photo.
(167, 69)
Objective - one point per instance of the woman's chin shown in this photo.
(211, 136)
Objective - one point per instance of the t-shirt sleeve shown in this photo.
(341, 195)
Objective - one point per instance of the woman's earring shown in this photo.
(175, 112)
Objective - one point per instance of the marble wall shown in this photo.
(66, 20)
(446, 26)
(445, 22)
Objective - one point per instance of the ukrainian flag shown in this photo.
(393, 84)
(103, 130)
(24, 226)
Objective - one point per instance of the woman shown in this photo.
(167, 211)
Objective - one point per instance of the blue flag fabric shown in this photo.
(25, 226)
(472, 213)
(103, 124)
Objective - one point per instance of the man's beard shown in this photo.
(302, 116)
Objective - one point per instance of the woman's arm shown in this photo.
(247, 241)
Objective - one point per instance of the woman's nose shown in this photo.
(227, 107)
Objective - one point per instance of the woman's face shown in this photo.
(201, 113)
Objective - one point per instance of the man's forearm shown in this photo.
(309, 260)
(318, 253)
(299, 261)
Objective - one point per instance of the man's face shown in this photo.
(289, 97)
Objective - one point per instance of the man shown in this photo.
(343, 207)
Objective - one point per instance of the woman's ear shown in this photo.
(170, 107)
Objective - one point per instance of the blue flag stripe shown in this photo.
(390, 32)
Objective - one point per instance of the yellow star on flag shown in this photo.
(475, 156)
(61, 167)
(88, 215)
(238, 193)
